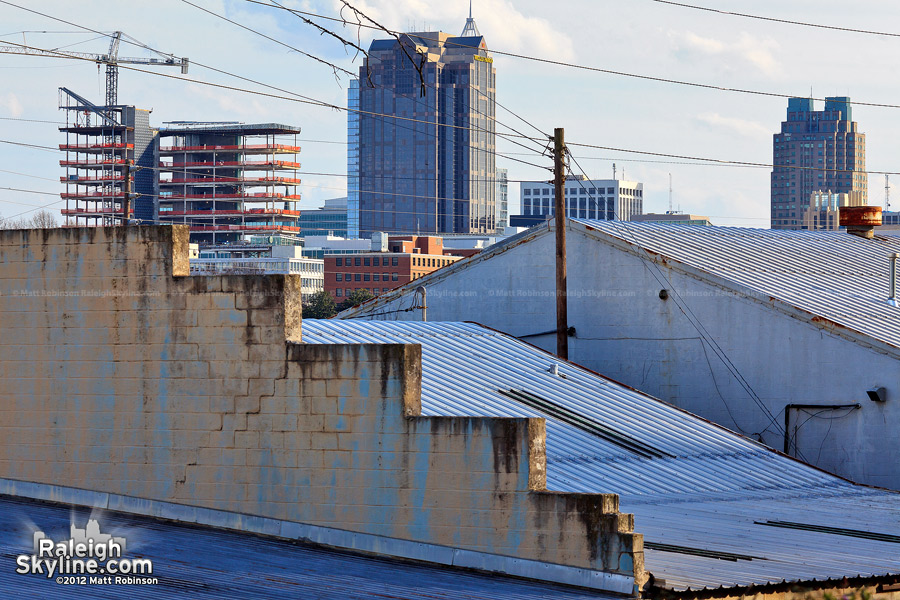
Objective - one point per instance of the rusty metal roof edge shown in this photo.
(700, 274)
(698, 593)
(398, 292)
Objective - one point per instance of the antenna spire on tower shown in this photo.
(471, 29)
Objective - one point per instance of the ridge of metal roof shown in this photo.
(708, 493)
(835, 279)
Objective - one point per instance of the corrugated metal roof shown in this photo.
(709, 495)
(831, 274)
(196, 562)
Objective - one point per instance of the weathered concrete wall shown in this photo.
(120, 375)
(625, 331)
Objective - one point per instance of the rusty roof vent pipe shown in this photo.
(892, 298)
(861, 220)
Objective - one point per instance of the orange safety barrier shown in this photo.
(244, 164)
(247, 147)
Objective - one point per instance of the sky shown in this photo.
(639, 37)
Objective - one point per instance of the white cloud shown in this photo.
(11, 103)
(744, 50)
(750, 129)
(503, 26)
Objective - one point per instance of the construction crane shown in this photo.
(111, 59)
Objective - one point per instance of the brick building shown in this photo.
(409, 257)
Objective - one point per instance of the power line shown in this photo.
(294, 48)
(50, 148)
(359, 24)
(145, 46)
(369, 83)
(299, 99)
(685, 309)
(560, 63)
(776, 20)
(30, 120)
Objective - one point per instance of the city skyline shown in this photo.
(600, 109)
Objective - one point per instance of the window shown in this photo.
(339, 277)
(546, 191)
(610, 190)
(376, 277)
(339, 292)
(357, 261)
(365, 277)
(367, 261)
(394, 276)
(384, 276)
(357, 277)
(527, 192)
(338, 262)
(394, 261)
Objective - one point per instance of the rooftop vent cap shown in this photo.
(878, 394)
(861, 220)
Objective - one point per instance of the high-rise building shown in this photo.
(330, 219)
(501, 212)
(100, 142)
(816, 151)
(429, 166)
(353, 160)
(228, 180)
(601, 199)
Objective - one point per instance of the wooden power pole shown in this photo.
(559, 171)
(126, 202)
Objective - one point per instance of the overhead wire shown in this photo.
(651, 265)
(367, 83)
(589, 68)
(777, 20)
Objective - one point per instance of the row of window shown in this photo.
(367, 261)
(422, 261)
(365, 276)
(340, 293)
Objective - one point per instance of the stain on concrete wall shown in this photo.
(121, 375)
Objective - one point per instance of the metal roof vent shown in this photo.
(892, 296)
(861, 220)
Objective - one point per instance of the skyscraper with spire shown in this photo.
(427, 134)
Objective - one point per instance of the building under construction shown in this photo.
(101, 142)
(227, 180)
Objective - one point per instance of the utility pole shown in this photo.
(126, 203)
(559, 172)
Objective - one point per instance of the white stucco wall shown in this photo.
(626, 332)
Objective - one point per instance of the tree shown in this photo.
(43, 219)
(320, 306)
(355, 298)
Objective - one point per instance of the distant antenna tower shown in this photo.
(887, 193)
(614, 171)
(670, 193)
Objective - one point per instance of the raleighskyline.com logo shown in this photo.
(88, 557)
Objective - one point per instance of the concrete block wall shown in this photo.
(121, 375)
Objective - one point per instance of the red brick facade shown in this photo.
(377, 272)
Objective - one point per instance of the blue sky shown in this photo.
(638, 36)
